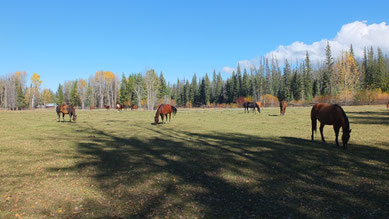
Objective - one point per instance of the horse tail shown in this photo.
(313, 118)
(174, 109)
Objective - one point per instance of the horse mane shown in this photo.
(156, 113)
(344, 116)
(174, 110)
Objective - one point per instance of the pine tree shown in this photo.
(325, 87)
(268, 79)
(219, 89)
(307, 78)
(74, 98)
(163, 91)
(60, 98)
(20, 101)
(380, 70)
(193, 90)
(286, 82)
(123, 90)
(245, 84)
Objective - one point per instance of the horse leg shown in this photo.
(162, 119)
(70, 117)
(63, 117)
(336, 129)
(166, 118)
(321, 131)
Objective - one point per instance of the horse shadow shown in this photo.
(219, 175)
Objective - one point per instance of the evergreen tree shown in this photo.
(297, 86)
(163, 90)
(74, 97)
(193, 90)
(214, 95)
(325, 87)
(307, 78)
(60, 98)
(380, 70)
(286, 82)
(123, 90)
(186, 92)
(20, 101)
(219, 89)
(268, 80)
(208, 90)
(245, 84)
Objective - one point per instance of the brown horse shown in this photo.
(106, 106)
(119, 106)
(331, 115)
(164, 110)
(66, 109)
(283, 105)
(92, 107)
(387, 105)
(259, 104)
(134, 107)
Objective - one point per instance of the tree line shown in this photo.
(344, 79)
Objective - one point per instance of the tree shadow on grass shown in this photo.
(379, 118)
(187, 174)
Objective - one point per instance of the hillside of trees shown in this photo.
(345, 80)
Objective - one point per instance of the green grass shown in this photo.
(205, 163)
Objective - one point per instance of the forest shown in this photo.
(345, 80)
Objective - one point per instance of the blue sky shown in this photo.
(66, 40)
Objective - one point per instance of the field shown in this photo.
(204, 164)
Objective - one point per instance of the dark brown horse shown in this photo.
(252, 105)
(66, 109)
(164, 110)
(283, 105)
(331, 115)
(106, 107)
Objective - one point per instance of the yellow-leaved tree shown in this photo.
(35, 87)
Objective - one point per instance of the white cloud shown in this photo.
(358, 33)
(227, 69)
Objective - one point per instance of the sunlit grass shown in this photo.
(204, 163)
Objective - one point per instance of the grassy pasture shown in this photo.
(205, 163)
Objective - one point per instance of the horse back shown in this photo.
(328, 114)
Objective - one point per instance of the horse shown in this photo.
(134, 107)
(119, 107)
(106, 106)
(259, 104)
(92, 107)
(331, 115)
(283, 105)
(66, 109)
(164, 110)
(387, 105)
(252, 105)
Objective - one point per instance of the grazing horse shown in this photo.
(387, 105)
(134, 107)
(119, 107)
(331, 115)
(252, 105)
(92, 107)
(66, 109)
(259, 105)
(283, 105)
(106, 106)
(164, 110)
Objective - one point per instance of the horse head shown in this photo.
(346, 137)
(156, 120)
